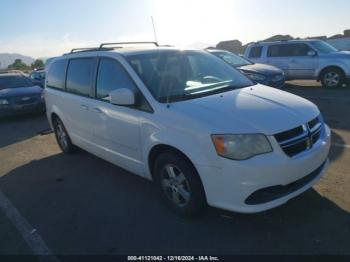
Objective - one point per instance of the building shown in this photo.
(234, 46)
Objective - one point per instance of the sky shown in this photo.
(45, 28)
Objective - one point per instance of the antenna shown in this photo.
(154, 30)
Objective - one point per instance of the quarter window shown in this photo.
(57, 74)
(286, 50)
(79, 76)
(255, 52)
(111, 76)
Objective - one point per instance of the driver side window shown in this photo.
(111, 76)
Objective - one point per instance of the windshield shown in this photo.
(14, 82)
(232, 59)
(179, 75)
(324, 47)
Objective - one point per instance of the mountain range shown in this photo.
(7, 59)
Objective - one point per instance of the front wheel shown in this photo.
(332, 78)
(179, 184)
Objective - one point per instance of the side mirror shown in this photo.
(122, 97)
(311, 53)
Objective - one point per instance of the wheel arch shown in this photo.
(158, 149)
(161, 148)
(323, 70)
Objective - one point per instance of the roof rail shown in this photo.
(128, 43)
(103, 48)
(272, 41)
(74, 50)
(87, 49)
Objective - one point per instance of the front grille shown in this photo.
(25, 100)
(301, 138)
(268, 194)
(277, 78)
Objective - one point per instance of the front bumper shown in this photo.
(230, 186)
(273, 83)
(13, 110)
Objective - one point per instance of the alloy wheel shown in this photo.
(175, 185)
(62, 136)
(332, 79)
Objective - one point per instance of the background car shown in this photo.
(260, 73)
(19, 95)
(304, 59)
(38, 77)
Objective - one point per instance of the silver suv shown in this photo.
(304, 59)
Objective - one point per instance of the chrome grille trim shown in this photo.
(295, 145)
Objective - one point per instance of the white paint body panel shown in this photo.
(125, 136)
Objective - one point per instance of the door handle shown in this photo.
(85, 107)
(97, 110)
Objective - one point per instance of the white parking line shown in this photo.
(340, 145)
(29, 234)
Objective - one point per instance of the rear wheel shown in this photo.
(332, 78)
(62, 136)
(179, 184)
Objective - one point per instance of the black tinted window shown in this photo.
(79, 76)
(14, 82)
(288, 50)
(57, 74)
(111, 76)
(255, 52)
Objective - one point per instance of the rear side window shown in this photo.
(79, 76)
(255, 52)
(288, 50)
(57, 74)
(111, 76)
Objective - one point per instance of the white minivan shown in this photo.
(201, 130)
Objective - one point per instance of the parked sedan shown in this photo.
(260, 73)
(19, 95)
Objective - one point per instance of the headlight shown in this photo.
(4, 102)
(241, 147)
(256, 77)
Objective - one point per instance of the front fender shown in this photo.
(199, 149)
(332, 63)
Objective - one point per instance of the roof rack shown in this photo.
(128, 43)
(103, 48)
(84, 49)
(271, 41)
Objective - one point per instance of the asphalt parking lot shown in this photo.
(80, 204)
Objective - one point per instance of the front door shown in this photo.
(116, 129)
(293, 59)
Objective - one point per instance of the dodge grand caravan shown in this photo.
(200, 129)
(304, 59)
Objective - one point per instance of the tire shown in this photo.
(62, 137)
(332, 78)
(179, 184)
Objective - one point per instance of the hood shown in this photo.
(261, 69)
(256, 109)
(20, 91)
(340, 54)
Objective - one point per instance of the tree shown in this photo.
(18, 65)
(38, 63)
